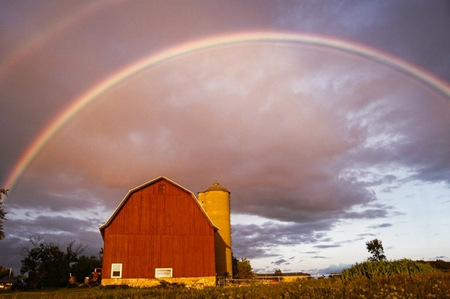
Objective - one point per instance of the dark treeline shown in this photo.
(48, 265)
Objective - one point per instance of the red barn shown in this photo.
(158, 231)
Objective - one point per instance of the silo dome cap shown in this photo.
(216, 187)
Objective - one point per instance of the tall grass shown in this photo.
(422, 285)
(371, 269)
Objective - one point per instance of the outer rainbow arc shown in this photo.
(50, 33)
(134, 68)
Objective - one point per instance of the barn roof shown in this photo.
(125, 199)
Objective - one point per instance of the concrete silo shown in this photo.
(216, 202)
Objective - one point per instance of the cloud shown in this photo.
(287, 153)
(59, 230)
(280, 262)
(319, 257)
(382, 225)
(263, 240)
(303, 136)
(327, 246)
(10, 254)
(393, 27)
(331, 269)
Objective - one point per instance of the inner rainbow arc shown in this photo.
(80, 102)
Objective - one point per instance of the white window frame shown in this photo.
(163, 272)
(116, 267)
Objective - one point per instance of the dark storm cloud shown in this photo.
(63, 226)
(280, 262)
(261, 240)
(369, 213)
(10, 255)
(59, 230)
(308, 203)
(415, 31)
(301, 135)
(420, 130)
(84, 195)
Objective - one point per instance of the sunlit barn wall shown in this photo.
(158, 225)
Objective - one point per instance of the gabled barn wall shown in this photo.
(159, 226)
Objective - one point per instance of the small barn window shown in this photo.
(116, 270)
(161, 188)
(163, 272)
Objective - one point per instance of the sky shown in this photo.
(328, 121)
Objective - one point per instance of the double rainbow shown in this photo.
(248, 37)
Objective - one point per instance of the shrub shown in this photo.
(372, 269)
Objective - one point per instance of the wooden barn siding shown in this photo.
(140, 255)
(155, 230)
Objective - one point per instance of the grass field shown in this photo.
(436, 285)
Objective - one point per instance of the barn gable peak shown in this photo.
(154, 181)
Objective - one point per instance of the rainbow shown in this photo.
(54, 30)
(84, 99)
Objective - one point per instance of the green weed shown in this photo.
(421, 285)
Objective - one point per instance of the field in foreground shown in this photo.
(400, 286)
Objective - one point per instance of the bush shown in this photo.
(371, 269)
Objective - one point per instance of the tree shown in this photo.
(84, 267)
(278, 272)
(243, 268)
(234, 263)
(2, 212)
(47, 265)
(4, 272)
(375, 247)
